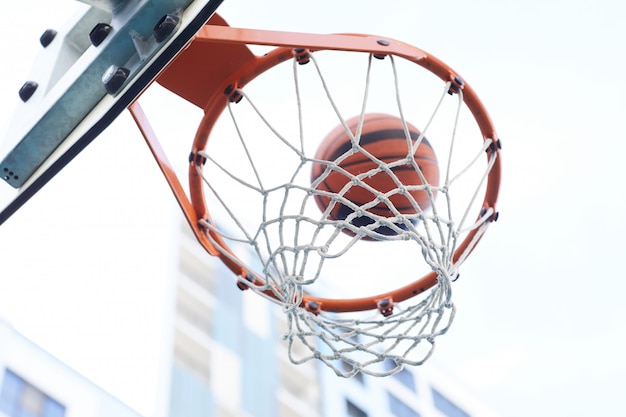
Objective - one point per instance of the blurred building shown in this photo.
(35, 384)
(229, 360)
(414, 392)
(226, 361)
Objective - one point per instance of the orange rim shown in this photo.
(219, 85)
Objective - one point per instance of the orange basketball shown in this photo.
(384, 138)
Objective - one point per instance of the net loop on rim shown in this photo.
(252, 189)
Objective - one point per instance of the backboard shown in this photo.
(88, 71)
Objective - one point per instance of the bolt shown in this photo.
(456, 84)
(385, 306)
(494, 146)
(313, 307)
(200, 161)
(243, 285)
(165, 27)
(236, 97)
(381, 42)
(302, 56)
(9, 175)
(27, 90)
(47, 37)
(99, 33)
(114, 77)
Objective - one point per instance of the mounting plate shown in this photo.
(85, 76)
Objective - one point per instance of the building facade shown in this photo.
(421, 391)
(35, 384)
(229, 360)
(226, 359)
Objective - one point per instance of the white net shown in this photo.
(257, 171)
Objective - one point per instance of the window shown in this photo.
(446, 406)
(399, 408)
(405, 376)
(354, 411)
(18, 398)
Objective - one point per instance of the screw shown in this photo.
(302, 56)
(494, 146)
(27, 90)
(165, 27)
(99, 33)
(385, 306)
(201, 160)
(381, 42)
(235, 96)
(47, 37)
(243, 285)
(8, 175)
(229, 89)
(313, 307)
(114, 77)
(456, 84)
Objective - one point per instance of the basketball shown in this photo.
(383, 141)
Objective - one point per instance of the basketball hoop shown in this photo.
(253, 200)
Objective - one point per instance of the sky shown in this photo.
(539, 328)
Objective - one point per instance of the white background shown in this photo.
(539, 329)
